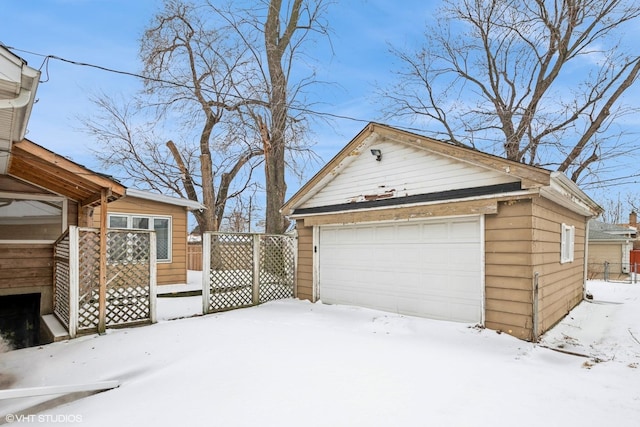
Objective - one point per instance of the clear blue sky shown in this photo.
(107, 33)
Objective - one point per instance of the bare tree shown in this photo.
(280, 114)
(225, 72)
(543, 80)
(193, 67)
(134, 149)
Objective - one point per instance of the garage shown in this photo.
(429, 268)
(403, 223)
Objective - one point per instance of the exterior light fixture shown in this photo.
(377, 153)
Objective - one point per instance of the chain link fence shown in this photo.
(614, 272)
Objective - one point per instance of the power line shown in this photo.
(47, 58)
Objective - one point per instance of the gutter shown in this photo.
(177, 201)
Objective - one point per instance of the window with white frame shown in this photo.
(161, 225)
(567, 243)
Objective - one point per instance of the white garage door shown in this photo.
(422, 268)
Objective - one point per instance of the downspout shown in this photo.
(585, 261)
(536, 277)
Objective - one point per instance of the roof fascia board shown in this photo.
(57, 161)
(177, 201)
(441, 196)
(503, 196)
(566, 193)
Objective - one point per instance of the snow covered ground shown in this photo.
(293, 363)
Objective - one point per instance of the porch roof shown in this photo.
(35, 164)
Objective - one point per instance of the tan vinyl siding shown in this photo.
(304, 275)
(599, 253)
(508, 271)
(168, 273)
(25, 269)
(560, 285)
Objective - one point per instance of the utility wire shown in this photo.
(47, 58)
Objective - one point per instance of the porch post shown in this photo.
(102, 299)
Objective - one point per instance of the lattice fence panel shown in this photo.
(277, 267)
(128, 277)
(88, 278)
(231, 274)
(61, 280)
(232, 266)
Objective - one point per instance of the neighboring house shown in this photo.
(168, 217)
(633, 225)
(611, 244)
(404, 223)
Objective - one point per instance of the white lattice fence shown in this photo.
(246, 269)
(130, 256)
(277, 267)
(88, 279)
(130, 279)
(61, 279)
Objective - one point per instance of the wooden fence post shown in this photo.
(206, 271)
(102, 298)
(74, 280)
(255, 286)
(152, 277)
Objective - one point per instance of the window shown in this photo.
(567, 243)
(161, 225)
(27, 218)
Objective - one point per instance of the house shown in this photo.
(51, 260)
(403, 223)
(42, 194)
(168, 217)
(610, 246)
(633, 226)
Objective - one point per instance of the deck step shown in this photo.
(55, 329)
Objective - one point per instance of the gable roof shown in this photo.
(505, 174)
(601, 231)
(36, 165)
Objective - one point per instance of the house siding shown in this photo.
(402, 173)
(508, 269)
(599, 253)
(28, 269)
(522, 237)
(304, 273)
(560, 286)
(168, 273)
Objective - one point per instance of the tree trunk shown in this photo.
(275, 142)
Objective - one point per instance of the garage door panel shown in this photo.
(427, 268)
